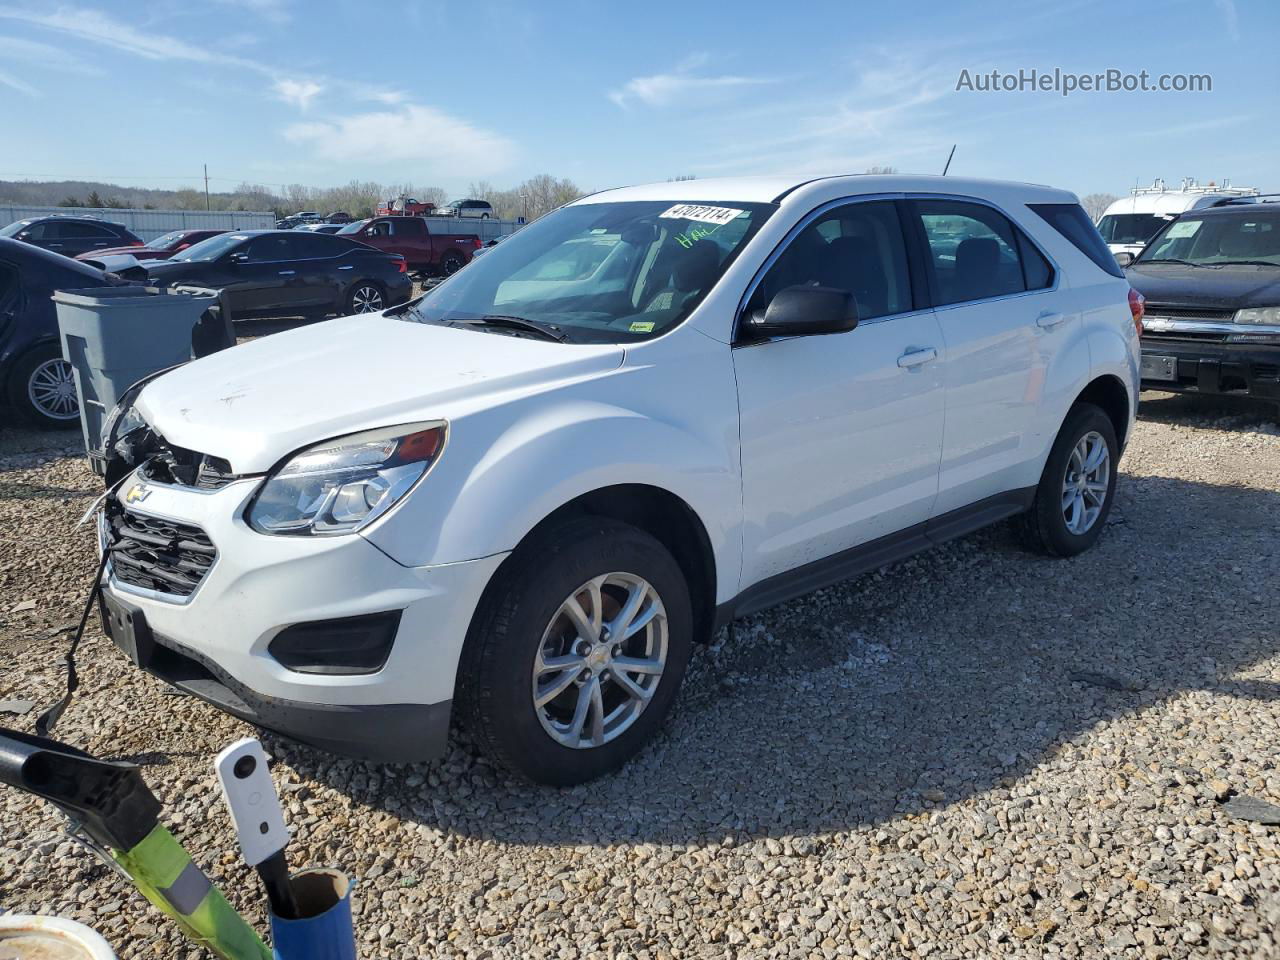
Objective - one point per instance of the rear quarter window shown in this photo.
(1070, 220)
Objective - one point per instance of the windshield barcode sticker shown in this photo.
(693, 211)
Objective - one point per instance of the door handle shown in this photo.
(347, 267)
(1048, 320)
(913, 358)
(287, 273)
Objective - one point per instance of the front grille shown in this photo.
(187, 468)
(1158, 312)
(154, 554)
(1194, 336)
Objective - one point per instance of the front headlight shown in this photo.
(120, 422)
(1269, 315)
(343, 484)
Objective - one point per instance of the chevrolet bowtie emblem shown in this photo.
(137, 493)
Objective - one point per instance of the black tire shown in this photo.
(484, 216)
(496, 672)
(1045, 525)
(363, 294)
(29, 377)
(451, 263)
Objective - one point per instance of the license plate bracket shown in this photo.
(1159, 368)
(128, 628)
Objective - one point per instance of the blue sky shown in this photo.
(445, 93)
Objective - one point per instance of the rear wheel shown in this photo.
(1077, 486)
(577, 653)
(42, 389)
(451, 263)
(365, 297)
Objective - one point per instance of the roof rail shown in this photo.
(1251, 198)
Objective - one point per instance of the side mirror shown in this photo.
(1124, 258)
(238, 258)
(805, 311)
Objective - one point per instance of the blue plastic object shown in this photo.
(324, 931)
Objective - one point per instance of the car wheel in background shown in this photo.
(42, 389)
(365, 297)
(451, 263)
(1077, 487)
(577, 652)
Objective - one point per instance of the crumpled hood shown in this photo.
(257, 402)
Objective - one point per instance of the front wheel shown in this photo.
(42, 388)
(365, 297)
(1077, 486)
(577, 652)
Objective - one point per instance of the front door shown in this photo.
(841, 433)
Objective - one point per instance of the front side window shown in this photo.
(857, 247)
(973, 251)
(271, 247)
(601, 272)
(1244, 238)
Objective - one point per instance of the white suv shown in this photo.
(534, 489)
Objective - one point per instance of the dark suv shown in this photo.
(71, 236)
(1211, 279)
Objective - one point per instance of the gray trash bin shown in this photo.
(115, 336)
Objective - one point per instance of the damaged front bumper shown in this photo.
(196, 597)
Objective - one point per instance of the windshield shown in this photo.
(212, 248)
(16, 227)
(1130, 227)
(355, 227)
(1247, 238)
(168, 240)
(601, 272)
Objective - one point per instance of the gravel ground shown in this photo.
(977, 752)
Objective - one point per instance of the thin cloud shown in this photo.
(43, 55)
(300, 93)
(1232, 18)
(274, 11)
(412, 133)
(22, 87)
(683, 84)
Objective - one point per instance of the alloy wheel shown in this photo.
(366, 300)
(51, 388)
(1085, 485)
(600, 660)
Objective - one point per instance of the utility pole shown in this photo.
(206, 187)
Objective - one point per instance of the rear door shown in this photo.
(75, 238)
(840, 433)
(993, 291)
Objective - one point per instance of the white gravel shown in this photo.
(974, 753)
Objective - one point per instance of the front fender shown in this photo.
(506, 469)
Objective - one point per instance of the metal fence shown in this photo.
(149, 224)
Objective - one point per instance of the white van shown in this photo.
(525, 496)
(1128, 224)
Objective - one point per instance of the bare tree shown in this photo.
(1095, 204)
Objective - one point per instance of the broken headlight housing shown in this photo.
(342, 485)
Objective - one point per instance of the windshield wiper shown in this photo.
(548, 331)
(1245, 263)
(1169, 260)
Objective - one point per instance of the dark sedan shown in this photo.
(36, 381)
(294, 273)
(161, 248)
(1211, 280)
(71, 236)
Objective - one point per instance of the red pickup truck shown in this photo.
(425, 251)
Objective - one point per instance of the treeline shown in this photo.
(529, 199)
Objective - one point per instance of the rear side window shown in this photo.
(1070, 220)
(973, 251)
